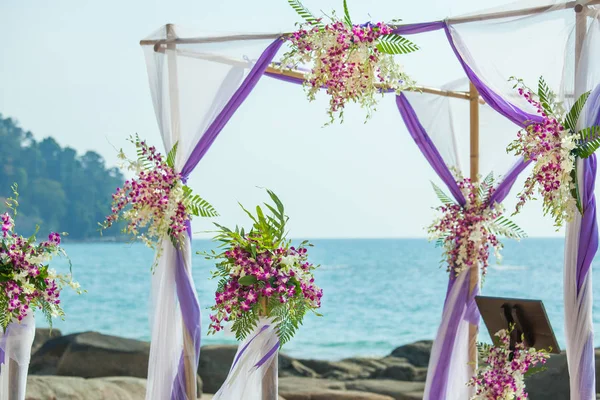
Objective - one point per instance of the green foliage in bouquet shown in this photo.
(262, 275)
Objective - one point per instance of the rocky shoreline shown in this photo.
(93, 366)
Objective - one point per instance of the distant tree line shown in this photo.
(58, 189)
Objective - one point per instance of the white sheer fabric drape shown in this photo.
(16, 343)
(247, 380)
(459, 371)
(579, 301)
(190, 85)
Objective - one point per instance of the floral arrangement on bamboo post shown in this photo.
(466, 233)
(501, 377)
(351, 62)
(156, 203)
(26, 280)
(262, 275)
(554, 146)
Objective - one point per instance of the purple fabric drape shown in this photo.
(231, 107)
(427, 147)
(188, 301)
(491, 98)
(412, 29)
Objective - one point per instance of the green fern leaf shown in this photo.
(441, 195)
(485, 186)
(197, 206)
(395, 44)
(546, 96)
(245, 324)
(304, 13)
(573, 115)
(505, 227)
(171, 155)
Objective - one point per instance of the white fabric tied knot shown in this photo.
(253, 374)
(15, 343)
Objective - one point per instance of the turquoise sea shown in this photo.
(378, 293)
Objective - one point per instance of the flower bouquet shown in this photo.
(504, 370)
(467, 232)
(262, 275)
(351, 62)
(156, 203)
(554, 146)
(26, 281)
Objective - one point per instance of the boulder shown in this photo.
(94, 355)
(416, 353)
(290, 367)
(340, 370)
(214, 365)
(398, 369)
(294, 386)
(553, 383)
(398, 390)
(42, 335)
(74, 388)
(45, 360)
(337, 395)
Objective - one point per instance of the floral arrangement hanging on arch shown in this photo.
(467, 233)
(553, 145)
(26, 280)
(156, 204)
(503, 372)
(262, 275)
(353, 63)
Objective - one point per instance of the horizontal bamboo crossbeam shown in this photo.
(214, 39)
(299, 74)
(522, 12)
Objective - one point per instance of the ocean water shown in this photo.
(378, 293)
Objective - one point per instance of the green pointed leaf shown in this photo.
(247, 280)
(534, 370)
(347, 19)
(395, 44)
(575, 189)
(573, 115)
(588, 142)
(304, 13)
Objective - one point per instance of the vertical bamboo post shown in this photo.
(269, 381)
(474, 158)
(580, 29)
(14, 379)
(188, 346)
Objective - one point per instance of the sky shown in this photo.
(74, 70)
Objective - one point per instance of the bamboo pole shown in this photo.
(14, 379)
(269, 381)
(301, 75)
(580, 30)
(474, 158)
(188, 345)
